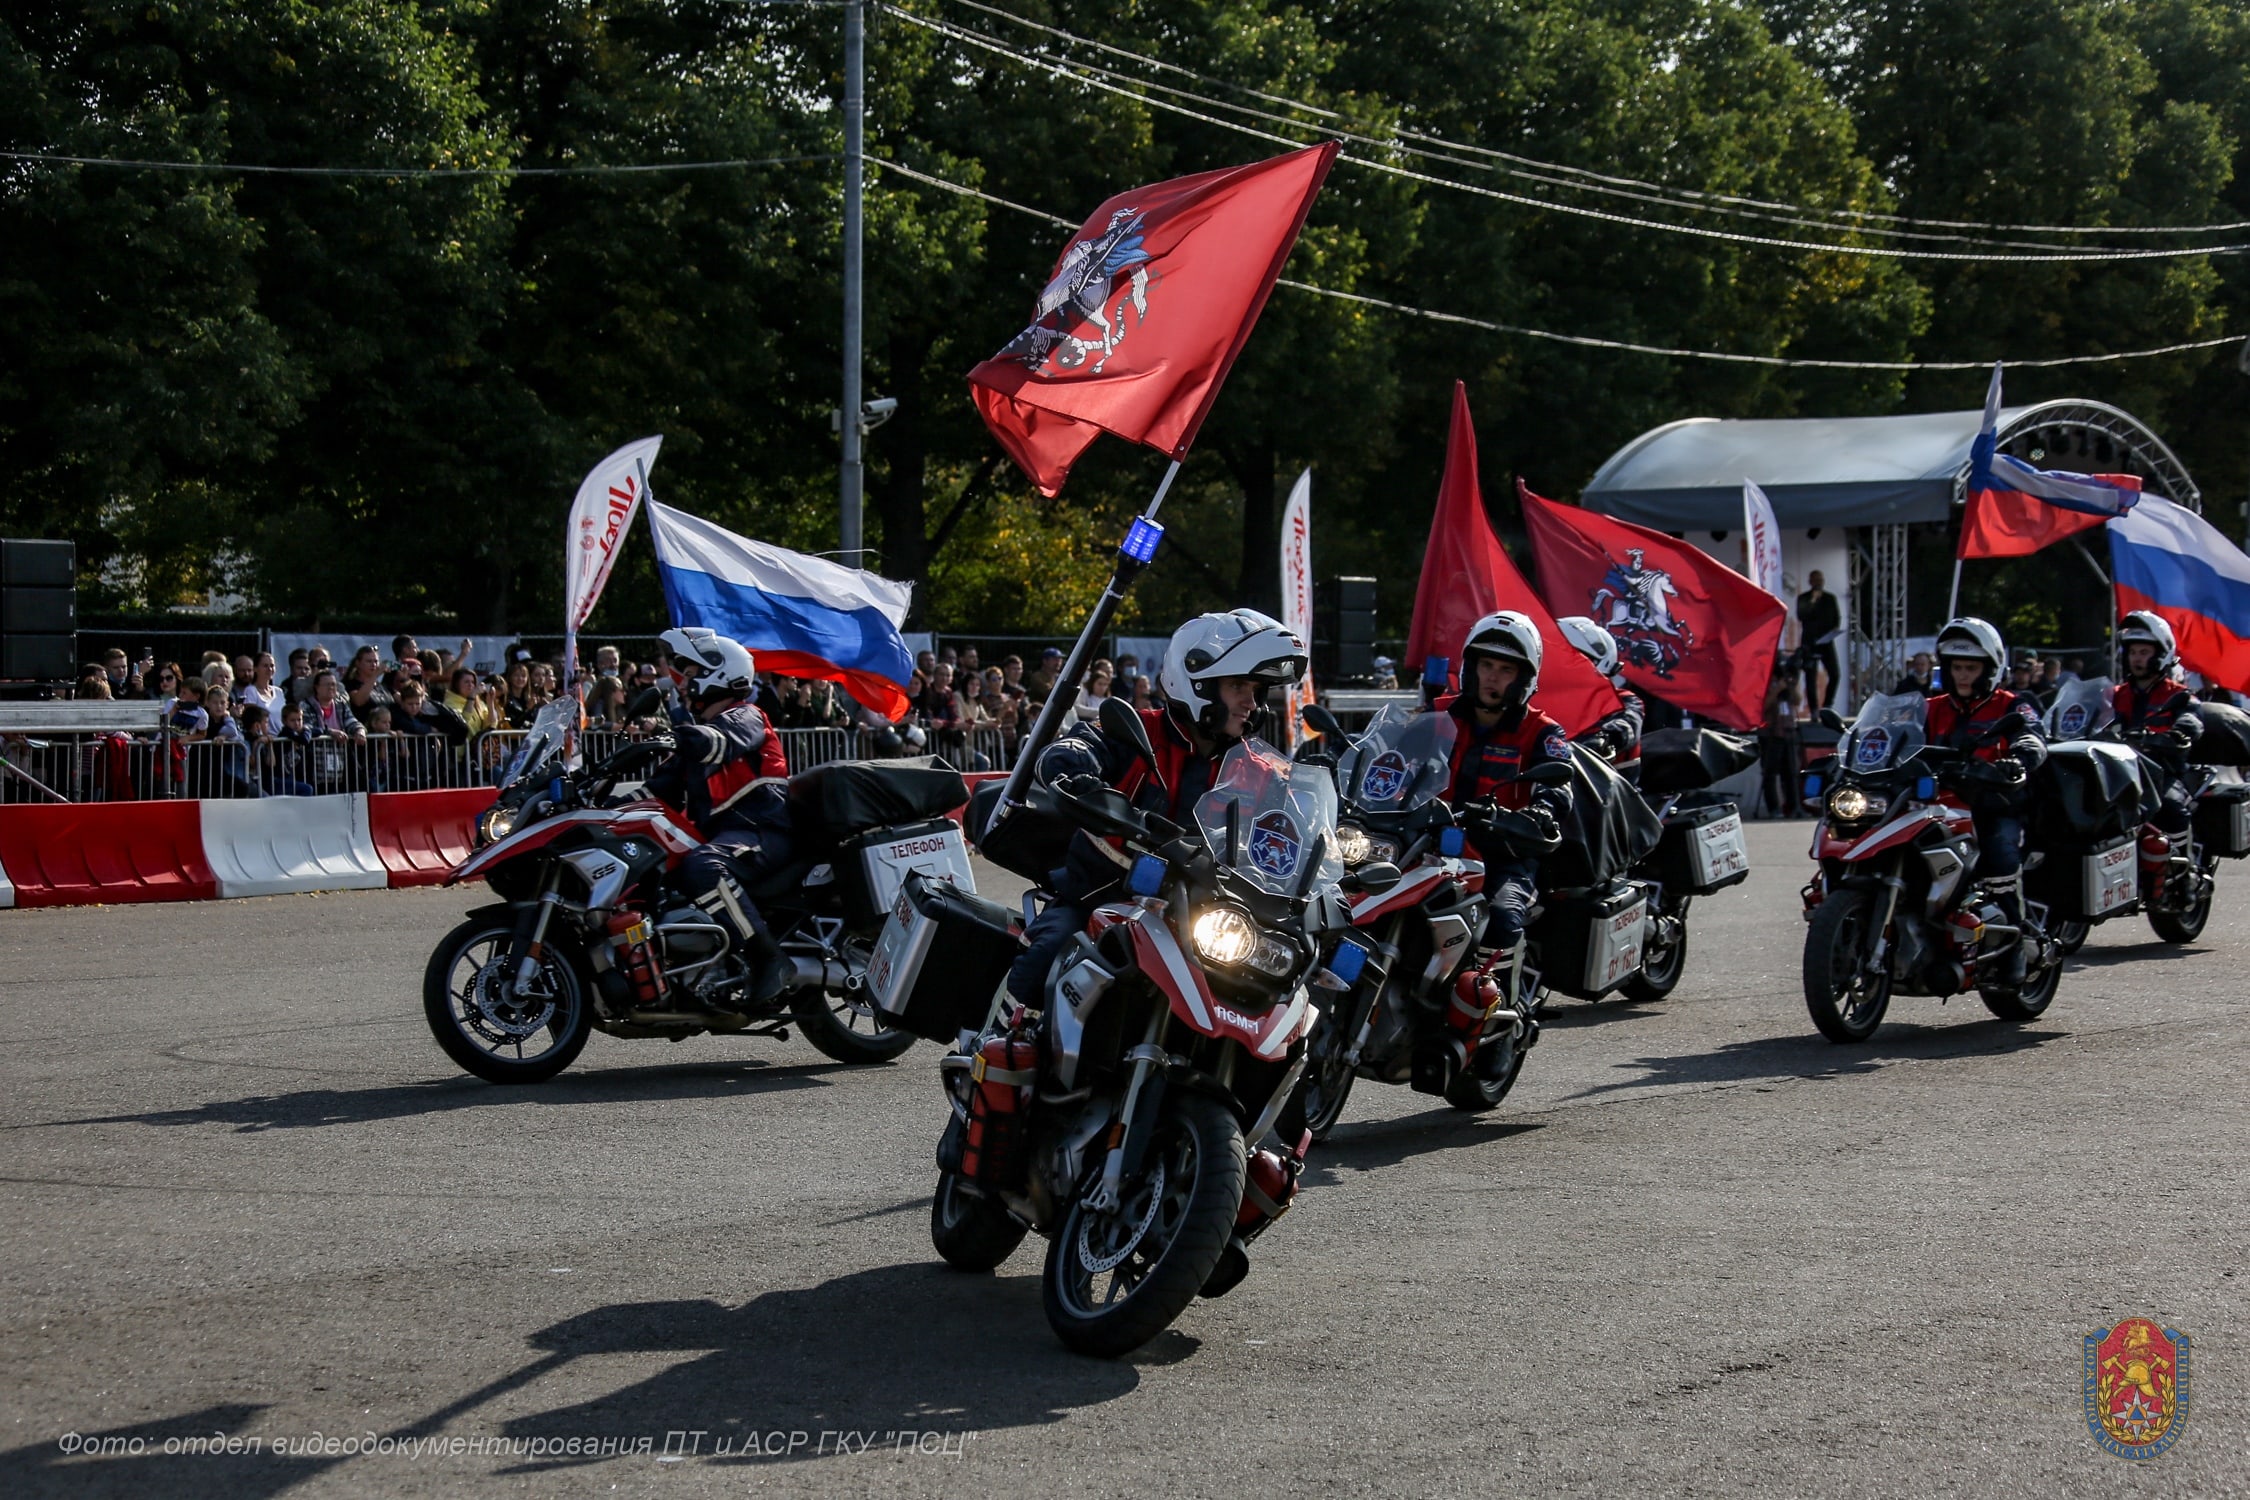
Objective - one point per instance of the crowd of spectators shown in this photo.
(421, 716)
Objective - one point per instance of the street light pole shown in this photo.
(853, 476)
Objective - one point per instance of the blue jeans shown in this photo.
(1046, 937)
(1510, 888)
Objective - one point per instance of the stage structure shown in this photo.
(1845, 490)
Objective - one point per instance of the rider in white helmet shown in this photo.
(1218, 672)
(2157, 712)
(1618, 737)
(727, 772)
(1966, 717)
(1502, 735)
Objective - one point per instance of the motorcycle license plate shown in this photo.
(2111, 878)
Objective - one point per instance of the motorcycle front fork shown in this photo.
(530, 945)
(1144, 1058)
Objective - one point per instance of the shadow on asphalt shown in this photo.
(42, 1468)
(307, 1108)
(1816, 1057)
(912, 1348)
(1565, 1014)
(1386, 1143)
(2147, 948)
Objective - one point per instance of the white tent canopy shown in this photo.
(1860, 471)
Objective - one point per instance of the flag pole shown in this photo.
(1953, 599)
(2108, 583)
(1133, 557)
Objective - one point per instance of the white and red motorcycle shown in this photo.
(588, 934)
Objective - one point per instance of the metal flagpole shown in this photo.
(1953, 599)
(853, 475)
(1133, 556)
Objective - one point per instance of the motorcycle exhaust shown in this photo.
(807, 973)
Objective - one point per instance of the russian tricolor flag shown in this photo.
(2171, 562)
(2009, 484)
(801, 616)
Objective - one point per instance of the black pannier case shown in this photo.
(942, 956)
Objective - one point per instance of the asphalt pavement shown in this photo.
(258, 1237)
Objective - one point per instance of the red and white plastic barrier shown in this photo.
(88, 853)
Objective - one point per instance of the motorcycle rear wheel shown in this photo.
(485, 1029)
(1115, 1280)
(1846, 1003)
(2070, 936)
(847, 1027)
(1661, 967)
(2185, 926)
(2028, 1003)
(972, 1232)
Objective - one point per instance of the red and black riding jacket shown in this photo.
(1485, 761)
(1963, 727)
(729, 774)
(1180, 778)
(2154, 710)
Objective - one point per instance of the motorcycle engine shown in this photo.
(695, 952)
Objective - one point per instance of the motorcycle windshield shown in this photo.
(542, 742)
(1402, 760)
(1267, 818)
(2081, 710)
(1889, 728)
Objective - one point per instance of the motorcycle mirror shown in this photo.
(1830, 719)
(1551, 773)
(1120, 722)
(1322, 722)
(1376, 877)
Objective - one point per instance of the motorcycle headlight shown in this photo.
(1849, 804)
(496, 824)
(1353, 846)
(1224, 935)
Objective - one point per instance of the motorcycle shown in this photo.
(588, 934)
(1122, 1120)
(2101, 859)
(1589, 935)
(1893, 906)
(1701, 851)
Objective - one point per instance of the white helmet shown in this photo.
(1510, 636)
(706, 665)
(2140, 625)
(1594, 643)
(1239, 643)
(1974, 639)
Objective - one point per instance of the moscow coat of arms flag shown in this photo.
(1146, 310)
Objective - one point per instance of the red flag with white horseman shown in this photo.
(1689, 628)
(1147, 308)
(1466, 575)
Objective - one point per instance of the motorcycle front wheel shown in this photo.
(1116, 1278)
(1846, 1000)
(1317, 1103)
(487, 1028)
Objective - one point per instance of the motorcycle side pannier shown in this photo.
(941, 957)
(870, 867)
(2222, 819)
(1703, 850)
(1589, 945)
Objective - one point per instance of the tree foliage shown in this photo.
(375, 392)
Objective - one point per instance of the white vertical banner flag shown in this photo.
(1762, 536)
(603, 512)
(1296, 582)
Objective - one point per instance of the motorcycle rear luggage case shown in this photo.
(941, 957)
(1589, 945)
(870, 866)
(830, 803)
(2081, 881)
(1702, 850)
(2222, 819)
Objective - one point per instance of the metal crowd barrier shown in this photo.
(123, 767)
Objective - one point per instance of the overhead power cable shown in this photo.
(1066, 70)
(1586, 341)
(1847, 218)
(590, 170)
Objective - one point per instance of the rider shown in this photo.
(2153, 706)
(1618, 737)
(1216, 671)
(727, 772)
(1971, 658)
(1501, 736)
